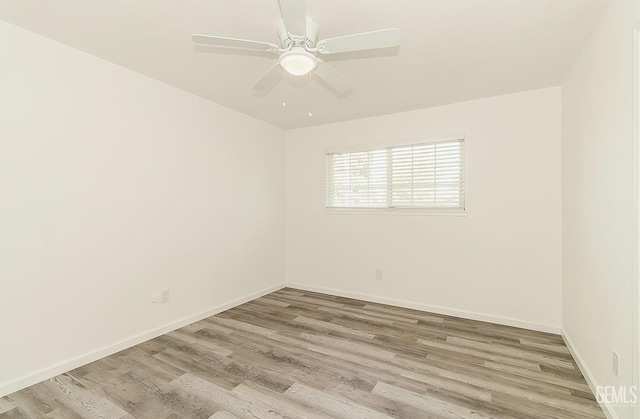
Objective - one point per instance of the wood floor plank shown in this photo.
(510, 352)
(347, 345)
(545, 399)
(549, 347)
(234, 324)
(300, 354)
(82, 401)
(316, 368)
(193, 339)
(289, 291)
(30, 403)
(63, 413)
(271, 301)
(425, 403)
(242, 407)
(331, 326)
(223, 415)
(413, 315)
(426, 375)
(337, 363)
(373, 401)
(516, 361)
(284, 405)
(337, 406)
(360, 314)
(539, 376)
(6, 405)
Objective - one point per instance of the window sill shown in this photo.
(391, 211)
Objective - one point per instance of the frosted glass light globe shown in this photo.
(298, 61)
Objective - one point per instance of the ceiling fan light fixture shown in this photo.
(298, 61)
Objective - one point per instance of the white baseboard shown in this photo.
(586, 373)
(433, 309)
(64, 366)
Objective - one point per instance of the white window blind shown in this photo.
(427, 176)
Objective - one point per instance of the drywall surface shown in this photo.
(500, 262)
(113, 187)
(597, 198)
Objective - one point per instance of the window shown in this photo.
(424, 176)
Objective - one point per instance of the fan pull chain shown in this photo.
(309, 98)
(284, 89)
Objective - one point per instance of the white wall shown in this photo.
(597, 186)
(114, 186)
(501, 262)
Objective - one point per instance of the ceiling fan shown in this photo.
(299, 45)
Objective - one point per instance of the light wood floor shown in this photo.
(295, 354)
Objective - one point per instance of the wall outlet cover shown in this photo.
(165, 296)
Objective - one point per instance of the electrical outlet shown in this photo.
(379, 274)
(165, 296)
(616, 364)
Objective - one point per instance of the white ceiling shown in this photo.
(451, 51)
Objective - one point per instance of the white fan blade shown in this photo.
(332, 77)
(294, 13)
(384, 38)
(270, 79)
(233, 42)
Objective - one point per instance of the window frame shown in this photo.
(440, 211)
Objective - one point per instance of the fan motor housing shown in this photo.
(289, 40)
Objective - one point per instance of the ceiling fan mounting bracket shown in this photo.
(308, 41)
